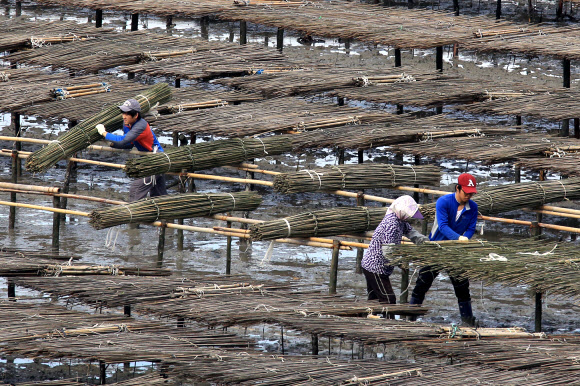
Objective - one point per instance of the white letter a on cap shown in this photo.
(470, 183)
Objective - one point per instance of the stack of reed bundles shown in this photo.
(277, 115)
(397, 129)
(329, 222)
(89, 55)
(212, 60)
(85, 133)
(435, 92)
(505, 198)
(207, 155)
(364, 176)
(489, 149)
(568, 165)
(174, 207)
(542, 265)
(17, 34)
(552, 104)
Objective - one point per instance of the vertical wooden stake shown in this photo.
(282, 338)
(360, 201)
(11, 290)
(99, 18)
(518, 177)
(127, 310)
(18, 8)
(15, 117)
(243, 32)
(66, 186)
(439, 58)
(334, 267)
(340, 101)
(398, 57)
(518, 120)
(169, 22)
(177, 82)
(229, 250)
(134, 22)
(498, 10)
(103, 372)
(280, 39)
(204, 25)
(161, 245)
(56, 225)
(341, 156)
(314, 344)
(14, 180)
(180, 238)
(538, 313)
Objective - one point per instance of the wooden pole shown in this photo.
(18, 8)
(229, 250)
(360, 201)
(498, 10)
(98, 18)
(539, 216)
(397, 57)
(180, 238)
(177, 82)
(280, 39)
(243, 32)
(169, 22)
(565, 129)
(127, 310)
(11, 290)
(314, 344)
(439, 58)
(56, 225)
(456, 7)
(134, 22)
(538, 313)
(17, 145)
(204, 25)
(66, 185)
(12, 212)
(340, 101)
(282, 338)
(161, 244)
(518, 120)
(103, 372)
(334, 267)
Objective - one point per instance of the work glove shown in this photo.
(463, 239)
(101, 129)
(416, 237)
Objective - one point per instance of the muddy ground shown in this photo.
(494, 305)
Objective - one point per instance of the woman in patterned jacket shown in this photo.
(390, 231)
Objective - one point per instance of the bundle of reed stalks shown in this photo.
(174, 207)
(85, 133)
(505, 198)
(544, 265)
(207, 155)
(81, 90)
(362, 176)
(328, 222)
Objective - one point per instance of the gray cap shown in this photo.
(130, 105)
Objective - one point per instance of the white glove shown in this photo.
(101, 129)
(463, 239)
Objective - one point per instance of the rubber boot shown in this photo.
(413, 300)
(467, 318)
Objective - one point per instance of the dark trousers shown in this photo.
(151, 186)
(425, 279)
(379, 287)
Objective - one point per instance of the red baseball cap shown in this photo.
(467, 182)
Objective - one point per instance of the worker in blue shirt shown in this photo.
(455, 219)
(137, 133)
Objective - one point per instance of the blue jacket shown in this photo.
(445, 227)
(139, 135)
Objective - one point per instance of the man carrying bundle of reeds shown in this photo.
(390, 231)
(455, 219)
(137, 133)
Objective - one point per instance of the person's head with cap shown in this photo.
(131, 110)
(465, 188)
(405, 208)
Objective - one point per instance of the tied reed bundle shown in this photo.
(543, 265)
(207, 155)
(365, 176)
(85, 133)
(505, 198)
(174, 207)
(320, 223)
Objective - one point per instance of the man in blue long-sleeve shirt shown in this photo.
(455, 219)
